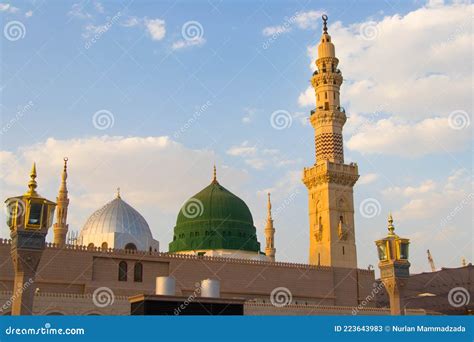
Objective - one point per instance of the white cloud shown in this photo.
(367, 178)
(271, 30)
(156, 28)
(302, 20)
(91, 30)
(97, 166)
(29, 14)
(309, 20)
(249, 115)
(429, 136)
(307, 98)
(78, 11)
(440, 202)
(8, 8)
(410, 191)
(131, 22)
(99, 7)
(242, 150)
(186, 43)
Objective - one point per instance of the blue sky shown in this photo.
(174, 103)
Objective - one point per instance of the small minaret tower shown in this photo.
(60, 228)
(270, 233)
(330, 181)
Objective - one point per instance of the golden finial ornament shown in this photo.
(325, 22)
(118, 192)
(32, 183)
(391, 227)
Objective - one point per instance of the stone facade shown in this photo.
(72, 274)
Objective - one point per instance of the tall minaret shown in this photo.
(60, 228)
(270, 233)
(330, 181)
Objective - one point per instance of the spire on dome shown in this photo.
(118, 192)
(214, 176)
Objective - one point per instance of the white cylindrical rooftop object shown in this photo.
(165, 286)
(210, 288)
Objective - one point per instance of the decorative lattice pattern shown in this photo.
(329, 147)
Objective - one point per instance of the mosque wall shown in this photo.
(76, 270)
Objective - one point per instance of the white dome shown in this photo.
(116, 225)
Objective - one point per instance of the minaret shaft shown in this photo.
(60, 228)
(330, 182)
(270, 250)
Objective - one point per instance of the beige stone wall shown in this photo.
(75, 270)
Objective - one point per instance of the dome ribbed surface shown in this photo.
(214, 218)
(117, 216)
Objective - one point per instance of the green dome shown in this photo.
(214, 218)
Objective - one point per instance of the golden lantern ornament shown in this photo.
(29, 217)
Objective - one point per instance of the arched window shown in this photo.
(138, 272)
(105, 246)
(130, 246)
(122, 271)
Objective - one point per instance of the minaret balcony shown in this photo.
(326, 171)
